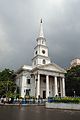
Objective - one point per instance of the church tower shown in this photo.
(41, 50)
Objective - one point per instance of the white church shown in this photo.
(43, 79)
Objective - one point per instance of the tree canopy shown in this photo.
(73, 81)
(7, 83)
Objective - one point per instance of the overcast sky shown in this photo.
(19, 26)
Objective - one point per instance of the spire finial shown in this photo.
(41, 34)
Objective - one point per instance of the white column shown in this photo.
(47, 86)
(35, 77)
(55, 86)
(61, 90)
(63, 87)
(38, 86)
(22, 92)
(22, 84)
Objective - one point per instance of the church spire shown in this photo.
(41, 34)
(41, 50)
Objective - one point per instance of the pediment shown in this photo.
(52, 67)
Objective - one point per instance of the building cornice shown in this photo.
(41, 38)
(41, 45)
(41, 56)
(41, 67)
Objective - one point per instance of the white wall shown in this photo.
(21, 82)
(66, 106)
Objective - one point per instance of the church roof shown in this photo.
(50, 67)
(47, 67)
(23, 68)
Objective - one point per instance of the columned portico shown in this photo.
(47, 86)
(55, 86)
(38, 86)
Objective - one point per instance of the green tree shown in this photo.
(7, 83)
(73, 81)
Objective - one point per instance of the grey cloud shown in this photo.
(19, 21)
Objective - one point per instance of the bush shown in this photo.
(67, 100)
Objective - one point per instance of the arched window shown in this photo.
(42, 42)
(36, 52)
(43, 51)
(35, 62)
(44, 62)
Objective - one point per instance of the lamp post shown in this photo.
(74, 93)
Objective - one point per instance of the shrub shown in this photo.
(66, 100)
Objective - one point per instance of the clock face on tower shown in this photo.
(43, 51)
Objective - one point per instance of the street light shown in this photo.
(74, 93)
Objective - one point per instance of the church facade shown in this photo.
(43, 79)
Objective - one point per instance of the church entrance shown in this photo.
(44, 94)
(27, 92)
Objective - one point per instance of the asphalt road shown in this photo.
(36, 113)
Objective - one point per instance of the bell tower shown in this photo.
(41, 50)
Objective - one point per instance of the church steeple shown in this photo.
(41, 39)
(41, 50)
(41, 33)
